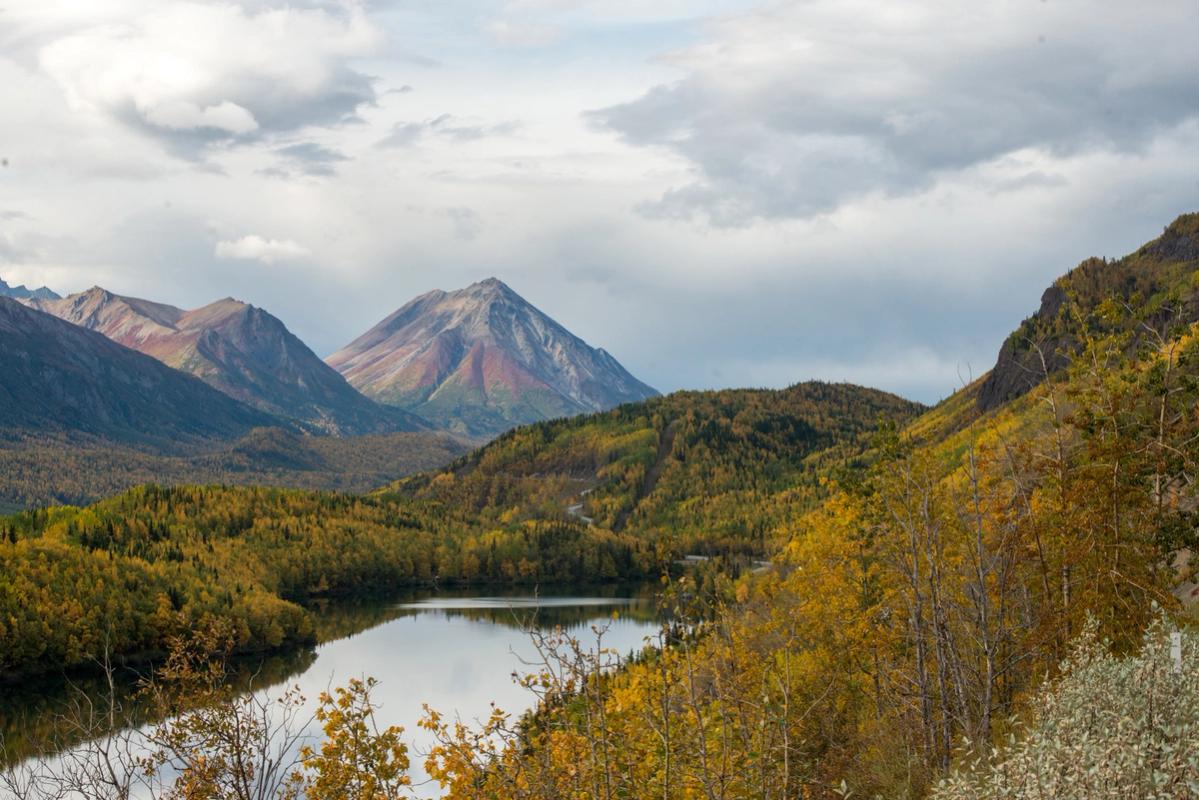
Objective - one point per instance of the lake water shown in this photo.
(454, 651)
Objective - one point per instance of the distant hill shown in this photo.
(57, 377)
(482, 360)
(1158, 285)
(708, 471)
(238, 349)
(22, 293)
(53, 468)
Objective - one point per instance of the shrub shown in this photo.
(1110, 727)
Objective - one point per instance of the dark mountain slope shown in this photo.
(56, 377)
(240, 350)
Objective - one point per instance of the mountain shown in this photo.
(482, 360)
(21, 293)
(1154, 288)
(690, 470)
(238, 349)
(57, 377)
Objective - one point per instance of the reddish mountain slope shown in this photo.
(481, 360)
(239, 349)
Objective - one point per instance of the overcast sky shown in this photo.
(719, 192)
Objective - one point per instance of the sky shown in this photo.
(718, 192)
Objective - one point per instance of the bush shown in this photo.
(1109, 727)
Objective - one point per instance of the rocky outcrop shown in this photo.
(1156, 284)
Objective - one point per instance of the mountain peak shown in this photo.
(483, 359)
(98, 292)
(490, 289)
(24, 293)
(239, 349)
(1152, 271)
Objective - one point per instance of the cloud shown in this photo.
(194, 73)
(257, 248)
(797, 109)
(9, 252)
(180, 115)
(446, 126)
(305, 158)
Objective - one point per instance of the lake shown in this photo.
(455, 651)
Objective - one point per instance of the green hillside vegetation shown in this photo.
(130, 571)
(694, 472)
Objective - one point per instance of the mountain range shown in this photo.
(481, 360)
(239, 350)
(100, 391)
(22, 293)
(59, 377)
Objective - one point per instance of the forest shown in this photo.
(964, 601)
(129, 572)
(74, 468)
(981, 610)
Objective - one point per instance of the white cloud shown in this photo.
(193, 72)
(253, 247)
(180, 115)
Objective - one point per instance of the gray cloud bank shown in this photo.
(798, 109)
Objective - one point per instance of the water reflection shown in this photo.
(455, 651)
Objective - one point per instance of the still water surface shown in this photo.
(458, 654)
(454, 651)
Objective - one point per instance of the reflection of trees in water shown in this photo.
(339, 619)
(29, 711)
(549, 616)
(31, 714)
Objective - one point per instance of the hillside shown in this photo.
(482, 360)
(74, 469)
(1155, 288)
(57, 377)
(238, 349)
(711, 471)
(917, 616)
(246, 554)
